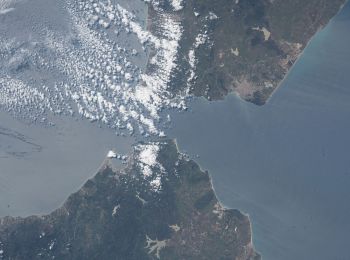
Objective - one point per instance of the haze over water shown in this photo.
(287, 163)
(41, 166)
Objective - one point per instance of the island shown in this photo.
(161, 205)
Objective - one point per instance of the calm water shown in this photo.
(41, 166)
(287, 164)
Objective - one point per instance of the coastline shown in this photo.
(85, 199)
(221, 203)
(301, 54)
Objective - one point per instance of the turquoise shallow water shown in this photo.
(287, 164)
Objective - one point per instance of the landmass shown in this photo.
(160, 206)
(245, 46)
(122, 62)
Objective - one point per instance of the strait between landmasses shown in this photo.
(121, 63)
(160, 206)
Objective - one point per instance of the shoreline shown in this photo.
(222, 204)
(303, 51)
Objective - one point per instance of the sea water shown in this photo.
(286, 164)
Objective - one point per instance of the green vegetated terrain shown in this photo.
(117, 215)
(251, 44)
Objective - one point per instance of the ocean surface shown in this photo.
(286, 164)
(41, 166)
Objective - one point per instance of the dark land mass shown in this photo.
(117, 215)
(251, 44)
